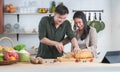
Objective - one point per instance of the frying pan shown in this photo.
(102, 23)
(95, 23)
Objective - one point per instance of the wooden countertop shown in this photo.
(61, 66)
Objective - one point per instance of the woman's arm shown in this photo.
(65, 41)
(92, 46)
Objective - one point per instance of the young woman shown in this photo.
(86, 35)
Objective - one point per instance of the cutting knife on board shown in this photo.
(65, 53)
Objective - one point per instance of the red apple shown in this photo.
(13, 54)
(9, 54)
(6, 56)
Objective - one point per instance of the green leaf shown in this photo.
(20, 47)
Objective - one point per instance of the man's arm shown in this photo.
(58, 45)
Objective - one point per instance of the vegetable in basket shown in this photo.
(1, 57)
(24, 56)
(20, 47)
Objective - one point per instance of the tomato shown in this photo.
(54, 60)
(77, 60)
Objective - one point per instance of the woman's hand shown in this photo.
(76, 49)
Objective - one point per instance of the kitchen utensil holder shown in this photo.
(89, 10)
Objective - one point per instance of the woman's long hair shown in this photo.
(81, 15)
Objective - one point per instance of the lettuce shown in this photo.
(24, 56)
(20, 47)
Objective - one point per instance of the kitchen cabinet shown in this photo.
(1, 17)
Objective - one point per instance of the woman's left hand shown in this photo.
(76, 49)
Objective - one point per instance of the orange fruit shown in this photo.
(12, 10)
(7, 8)
(12, 58)
(11, 6)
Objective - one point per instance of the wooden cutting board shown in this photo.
(66, 59)
(74, 60)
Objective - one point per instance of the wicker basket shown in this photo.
(7, 62)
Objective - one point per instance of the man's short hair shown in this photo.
(61, 9)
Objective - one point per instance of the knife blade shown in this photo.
(65, 53)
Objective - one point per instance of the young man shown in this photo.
(52, 30)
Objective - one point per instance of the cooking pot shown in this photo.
(95, 23)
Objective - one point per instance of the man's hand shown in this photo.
(59, 46)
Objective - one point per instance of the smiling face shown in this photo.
(59, 19)
(79, 23)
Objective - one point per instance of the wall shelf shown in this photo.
(18, 17)
(28, 13)
(23, 33)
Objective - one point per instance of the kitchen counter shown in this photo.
(95, 66)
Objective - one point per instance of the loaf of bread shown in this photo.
(84, 54)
